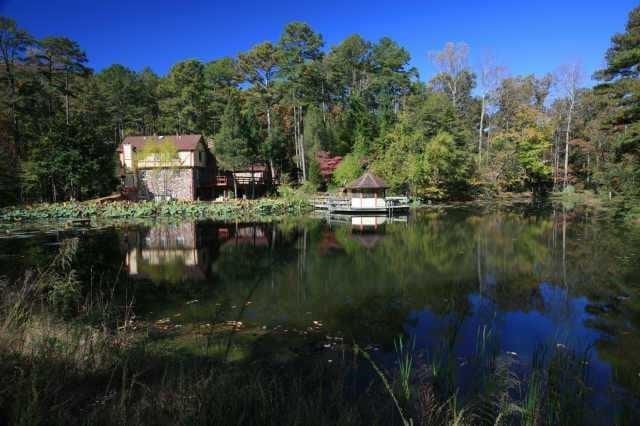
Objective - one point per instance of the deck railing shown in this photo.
(240, 180)
(247, 180)
(345, 203)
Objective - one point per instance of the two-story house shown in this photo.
(166, 167)
(182, 167)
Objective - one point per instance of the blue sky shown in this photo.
(532, 36)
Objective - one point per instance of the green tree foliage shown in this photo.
(392, 77)
(349, 66)
(317, 136)
(68, 161)
(621, 90)
(421, 165)
(14, 42)
(59, 59)
(182, 99)
(351, 166)
(232, 146)
(260, 68)
(8, 189)
(126, 97)
(282, 101)
(157, 150)
(221, 81)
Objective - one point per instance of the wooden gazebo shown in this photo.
(368, 192)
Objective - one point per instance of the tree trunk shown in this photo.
(50, 80)
(324, 105)
(66, 96)
(235, 184)
(269, 120)
(295, 136)
(588, 168)
(556, 161)
(271, 170)
(301, 144)
(253, 182)
(566, 146)
(481, 130)
(304, 166)
(12, 102)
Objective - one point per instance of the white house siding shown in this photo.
(367, 203)
(368, 220)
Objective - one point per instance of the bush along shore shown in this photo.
(235, 209)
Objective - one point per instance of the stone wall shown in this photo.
(175, 183)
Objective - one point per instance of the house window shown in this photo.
(200, 156)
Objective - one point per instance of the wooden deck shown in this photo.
(342, 205)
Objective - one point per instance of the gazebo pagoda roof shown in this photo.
(368, 181)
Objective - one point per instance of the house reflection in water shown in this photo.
(170, 252)
(185, 251)
(236, 235)
(368, 230)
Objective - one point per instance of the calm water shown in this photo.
(530, 277)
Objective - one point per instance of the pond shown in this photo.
(527, 280)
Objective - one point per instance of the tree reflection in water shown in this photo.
(553, 277)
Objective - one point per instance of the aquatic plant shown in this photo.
(245, 209)
(405, 362)
(405, 420)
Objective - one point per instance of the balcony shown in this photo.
(227, 181)
(242, 180)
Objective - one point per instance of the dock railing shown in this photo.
(332, 202)
(396, 201)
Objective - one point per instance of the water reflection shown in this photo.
(177, 252)
(172, 252)
(554, 278)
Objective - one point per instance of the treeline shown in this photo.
(464, 132)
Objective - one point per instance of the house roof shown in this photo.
(368, 181)
(182, 142)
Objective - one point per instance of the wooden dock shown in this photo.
(344, 205)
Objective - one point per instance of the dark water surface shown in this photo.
(529, 278)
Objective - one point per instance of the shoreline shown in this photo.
(263, 208)
(268, 209)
